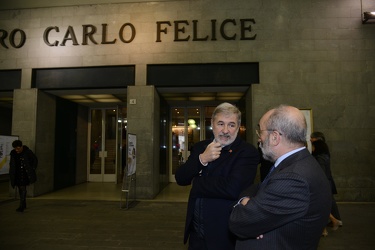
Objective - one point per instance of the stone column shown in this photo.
(143, 121)
(34, 124)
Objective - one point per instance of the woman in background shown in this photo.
(321, 153)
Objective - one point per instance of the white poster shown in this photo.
(309, 120)
(5, 149)
(132, 149)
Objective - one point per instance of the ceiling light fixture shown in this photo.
(366, 16)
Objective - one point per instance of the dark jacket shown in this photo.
(218, 185)
(323, 156)
(325, 164)
(290, 210)
(31, 163)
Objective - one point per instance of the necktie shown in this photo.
(268, 175)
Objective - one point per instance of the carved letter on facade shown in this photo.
(46, 34)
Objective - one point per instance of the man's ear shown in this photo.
(275, 138)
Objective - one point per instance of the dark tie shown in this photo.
(268, 175)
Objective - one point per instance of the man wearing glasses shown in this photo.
(290, 208)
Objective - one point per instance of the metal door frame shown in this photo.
(186, 142)
(102, 177)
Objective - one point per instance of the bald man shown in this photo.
(290, 208)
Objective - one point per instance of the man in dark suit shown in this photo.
(218, 171)
(290, 208)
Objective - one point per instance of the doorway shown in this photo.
(107, 130)
(188, 126)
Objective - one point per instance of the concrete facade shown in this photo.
(34, 123)
(312, 54)
(144, 121)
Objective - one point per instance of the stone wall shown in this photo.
(312, 54)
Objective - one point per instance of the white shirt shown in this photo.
(281, 158)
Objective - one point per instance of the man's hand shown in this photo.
(245, 200)
(211, 153)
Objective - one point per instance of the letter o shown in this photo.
(12, 36)
(121, 32)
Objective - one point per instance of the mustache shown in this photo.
(225, 135)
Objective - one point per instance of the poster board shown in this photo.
(132, 158)
(5, 149)
(129, 179)
(309, 121)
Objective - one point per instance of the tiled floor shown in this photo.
(102, 192)
(112, 192)
(88, 216)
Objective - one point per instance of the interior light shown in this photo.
(368, 16)
(100, 96)
(191, 121)
(84, 101)
(108, 100)
(73, 97)
(202, 98)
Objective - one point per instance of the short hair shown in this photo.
(227, 108)
(16, 143)
(318, 135)
(293, 128)
(320, 147)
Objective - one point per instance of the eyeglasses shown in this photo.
(259, 132)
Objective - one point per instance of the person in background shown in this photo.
(290, 208)
(315, 136)
(217, 170)
(321, 153)
(23, 163)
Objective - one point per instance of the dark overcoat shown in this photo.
(31, 163)
(219, 185)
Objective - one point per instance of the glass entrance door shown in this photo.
(185, 131)
(103, 150)
(189, 125)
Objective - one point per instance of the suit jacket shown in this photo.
(219, 185)
(290, 210)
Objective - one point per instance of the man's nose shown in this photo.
(225, 128)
